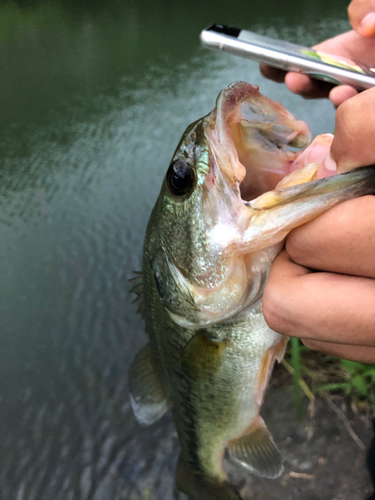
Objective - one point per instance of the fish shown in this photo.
(240, 179)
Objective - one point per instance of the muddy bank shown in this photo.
(322, 460)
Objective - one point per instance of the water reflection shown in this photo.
(94, 97)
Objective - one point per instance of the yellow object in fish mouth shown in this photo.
(231, 194)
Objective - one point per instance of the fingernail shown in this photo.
(329, 162)
(327, 167)
(367, 26)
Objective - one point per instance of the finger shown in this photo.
(363, 354)
(362, 17)
(319, 306)
(351, 46)
(341, 93)
(341, 240)
(367, 25)
(307, 87)
(354, 132)
(275, 74)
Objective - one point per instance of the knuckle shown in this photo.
(342, 112)
(308, 343)
(313, 345)
(296, 247)
(273, 308)
(345, 132)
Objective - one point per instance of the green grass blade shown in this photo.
(296, 364)
(333, 386)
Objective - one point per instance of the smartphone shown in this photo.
(289, 56)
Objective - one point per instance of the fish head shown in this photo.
(235, 153)
(231, 194)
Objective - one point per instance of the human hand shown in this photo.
(357, 45)
(322, 287)
(362, 17)
(349, 45)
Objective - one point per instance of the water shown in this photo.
(94, 97)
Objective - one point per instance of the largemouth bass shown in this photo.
(231, 194)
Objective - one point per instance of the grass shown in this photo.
(315, 373)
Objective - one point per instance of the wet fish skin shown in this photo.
(207, 256)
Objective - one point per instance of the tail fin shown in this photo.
(198, 487)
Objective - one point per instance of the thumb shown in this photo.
(362, 17)
(354, 142)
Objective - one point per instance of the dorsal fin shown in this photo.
(137, 289)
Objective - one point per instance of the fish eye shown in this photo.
(180, 178)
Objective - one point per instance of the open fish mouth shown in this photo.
(248, 189)
(249, 135)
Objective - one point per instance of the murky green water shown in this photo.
(93, 99)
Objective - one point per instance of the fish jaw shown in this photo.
(273, 215)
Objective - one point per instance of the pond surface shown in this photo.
(94, 97)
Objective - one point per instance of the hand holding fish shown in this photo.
(334, 312)
(357, 45)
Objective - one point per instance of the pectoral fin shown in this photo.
(274, 354)
(202, 357)
(147, 395)
(257, 451)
